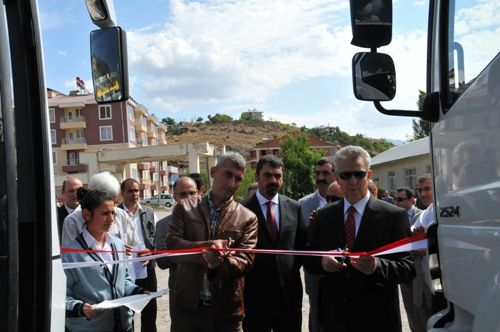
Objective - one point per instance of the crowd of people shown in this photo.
(226, 287)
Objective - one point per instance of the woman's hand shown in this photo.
(89, 312)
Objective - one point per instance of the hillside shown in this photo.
(241, 136)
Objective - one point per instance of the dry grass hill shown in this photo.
(240, 137)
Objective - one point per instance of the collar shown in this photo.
(92, 242)
(322, 201)
(262, 200)
(359, 205)
(212, 205)
(70, 209)
(139, 208)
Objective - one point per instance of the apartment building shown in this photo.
(79, 126)
(273, 146)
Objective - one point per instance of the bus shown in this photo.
(462, 103)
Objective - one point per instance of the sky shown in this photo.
(289, 59)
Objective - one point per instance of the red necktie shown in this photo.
(350, 228)
(271, 220)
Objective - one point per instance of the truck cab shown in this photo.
(462, 102)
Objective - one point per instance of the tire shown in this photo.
(168, 204)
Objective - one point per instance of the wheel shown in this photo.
(168, 204)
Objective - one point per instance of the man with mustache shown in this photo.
(325, 176)
(273, 289)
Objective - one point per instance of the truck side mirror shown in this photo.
(371, 22)
(108, 54)
(374, 76)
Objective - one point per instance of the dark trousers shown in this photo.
(199, 320)
(148, 314)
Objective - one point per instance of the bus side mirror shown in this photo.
(371, 22)
(108, 55)
(374, 76)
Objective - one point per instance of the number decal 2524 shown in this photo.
(450, 212)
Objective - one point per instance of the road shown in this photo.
(163, 317)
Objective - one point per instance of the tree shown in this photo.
(220, 118)
(421, 127)
(199, 120)
(248, 179)
(168, 121)
(298, 159)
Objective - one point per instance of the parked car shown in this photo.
(165, 199)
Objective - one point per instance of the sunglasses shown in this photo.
(332, 198)
(400, 199)
(356, 174)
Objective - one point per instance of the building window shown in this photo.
(79, 114)
(134, 173)
(130, 112)
(131, 134)
(391, 181)
(104, 112)
(106, 133)
(54, 158)
(428, 169)
(52, 115)
(53, 138)
(411, 177)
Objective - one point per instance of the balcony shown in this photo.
(74, 166)
(75, 122)
(142, 166)
(141, 125)
(152, 134)
(79, 143)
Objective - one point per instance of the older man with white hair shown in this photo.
(123, 227)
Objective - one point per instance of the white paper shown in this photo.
(134, 302)
(137, 269)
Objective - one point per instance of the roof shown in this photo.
(412, 149)
(71, 101)
(276, 143)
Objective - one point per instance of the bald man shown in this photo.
(184, 188)
(68, 192)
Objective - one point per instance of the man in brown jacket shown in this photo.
(208, 293)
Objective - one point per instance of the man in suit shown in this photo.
(405, 199)
(145, 220)
(325, 176)
(69, 188)
(360, 293)
(273, 289)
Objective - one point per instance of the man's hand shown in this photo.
(90, 312)
(145, 252)
(213, 257)
(365, 264)
(332, 264)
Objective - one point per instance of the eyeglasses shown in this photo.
(356, 174)
(400, 199)
(185, 194)
(424, 189)
(332, 198)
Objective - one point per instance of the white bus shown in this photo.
(463, 103)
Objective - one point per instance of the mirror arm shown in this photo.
(381, 109)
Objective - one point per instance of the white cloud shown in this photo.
(239, 49)
(62, 52)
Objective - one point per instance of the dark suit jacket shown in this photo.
(274, 282)
(61, 214)
(350, 300)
